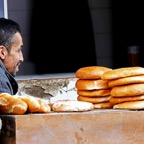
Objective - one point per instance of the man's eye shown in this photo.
(19, 50)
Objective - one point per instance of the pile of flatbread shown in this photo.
(127, 87)
(91, 88)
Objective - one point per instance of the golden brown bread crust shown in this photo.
(128, 90)
(21, 104)
(132, 105)
(116, 100)
(32, 102)
(103, 105)
(93, 99)
(93, 93)
(44, 107)
(91, 84)
(12, 104)
(71, 106)
(3, 101)
(126, 80)
(122, 72)
(91, 72)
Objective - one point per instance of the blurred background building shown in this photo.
(62, 36)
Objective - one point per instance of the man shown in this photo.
(11, 56)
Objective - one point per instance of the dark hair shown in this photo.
(8, 28)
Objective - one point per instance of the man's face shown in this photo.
(14, 57)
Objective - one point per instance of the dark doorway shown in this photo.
(128, 30)
(62, 38)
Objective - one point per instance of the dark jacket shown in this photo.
(7, 82)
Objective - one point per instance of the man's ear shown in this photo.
(2, 52)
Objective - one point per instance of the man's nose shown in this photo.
(21, 57)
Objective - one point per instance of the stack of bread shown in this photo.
(91, 88)
(127, 87)
(21, 104)
(25, 104)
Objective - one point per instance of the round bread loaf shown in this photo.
(133, 105)
(94, 93)
(122, 72)
(128, 90)
(94, 99)
(91, 72)
(71, 106)
(126, 80)
(116, 100)
(82, 84)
